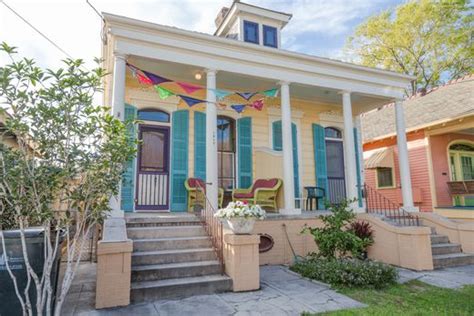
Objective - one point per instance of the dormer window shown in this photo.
(270, 36)
(251, 32)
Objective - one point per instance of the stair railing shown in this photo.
(212, 224)
(377, 203)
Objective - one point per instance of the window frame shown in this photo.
(153, 111)
(378, 186)
(268, 27)
(257, 28)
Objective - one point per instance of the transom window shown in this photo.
(226, 152)
(331, 132)
(270, 36)
(153, 115)
(251, 32)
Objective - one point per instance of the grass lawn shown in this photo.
(412, 298)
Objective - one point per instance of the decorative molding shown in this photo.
(331, 116)
(274, 111)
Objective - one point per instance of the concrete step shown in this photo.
(444, 249)
(172, 256)
(179, 288)
(165, 231)
(169, 243)
(452, 260)
(175, 270)
(188, 220)
(439, 239)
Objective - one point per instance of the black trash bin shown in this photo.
(9, 303)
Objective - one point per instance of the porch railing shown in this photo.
(376, 203)
(212, 225)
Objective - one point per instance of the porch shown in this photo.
(307, 136)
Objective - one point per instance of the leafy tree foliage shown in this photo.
(429, 39)
(64, 170)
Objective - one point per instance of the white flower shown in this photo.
(240, 209)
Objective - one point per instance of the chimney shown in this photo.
(220, 16)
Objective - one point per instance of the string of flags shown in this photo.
(147, 78)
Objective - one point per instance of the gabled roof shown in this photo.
(450, 101)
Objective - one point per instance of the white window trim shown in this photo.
(394, 181)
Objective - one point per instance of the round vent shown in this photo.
(266, 243)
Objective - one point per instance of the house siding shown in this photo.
(418, 159)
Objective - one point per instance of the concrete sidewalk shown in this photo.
(282, 293)
(451, 278)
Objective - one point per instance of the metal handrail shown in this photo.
(376, 203)
(213, 226)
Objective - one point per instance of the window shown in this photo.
(251, 32)
(153, 115)
(226, 152)
(270, 36)
(385, 178)
(331, 132)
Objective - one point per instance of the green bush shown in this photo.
(336, 238)
(346, 272)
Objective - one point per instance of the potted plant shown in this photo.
(241, 216)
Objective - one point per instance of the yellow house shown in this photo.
(304, 134)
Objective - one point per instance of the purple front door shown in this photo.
(153, 168)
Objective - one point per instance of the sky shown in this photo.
(318, 27)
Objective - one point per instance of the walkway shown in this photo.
(282, 293)
(451, 278)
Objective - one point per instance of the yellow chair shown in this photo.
(262, 192)
(193, 186)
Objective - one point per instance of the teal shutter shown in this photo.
(296, 169)
(320, 166)
(179, 159)
(278, 146)
(128, 177)
(359, 176)
(244, 147)
(200, 145)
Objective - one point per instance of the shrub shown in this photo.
(334, 239)
(346, 272)
(363, 230)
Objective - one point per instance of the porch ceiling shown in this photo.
(239, 82)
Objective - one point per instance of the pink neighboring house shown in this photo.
(440, 134)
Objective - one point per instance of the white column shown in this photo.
(349, 148)
(404, 165)
(287, 143)
(211, 139)
(118, 86)
(118, 108)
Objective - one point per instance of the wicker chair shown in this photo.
(192, 185)
(263, 192)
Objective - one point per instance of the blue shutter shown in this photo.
(278, 146)
(296, 169)
(128, 176)
(276, 135)
(244, 147)
(200, 145)
(179, 159)
(320, 166)
(359, 176)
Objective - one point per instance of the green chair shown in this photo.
(263, 192)
(195, 197)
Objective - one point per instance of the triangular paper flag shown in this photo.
(155, 79)
(144, 79)
(238, 107)
(246, 95)
(258, 104)
(164, 93)
(271, 93)
(187, 87)
(221, 94)
(190, 101)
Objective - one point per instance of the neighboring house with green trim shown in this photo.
(309, 129)
(440, 133)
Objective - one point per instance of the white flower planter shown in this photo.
(241, 225)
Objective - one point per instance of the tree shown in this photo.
(431, 40)
(67, 166)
